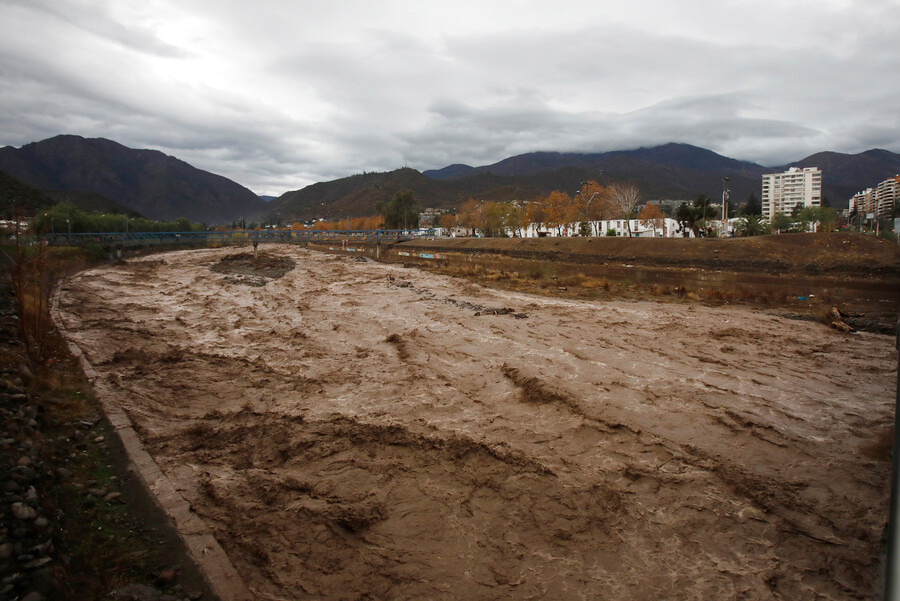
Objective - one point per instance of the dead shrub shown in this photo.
(571, 281)
(719, 295)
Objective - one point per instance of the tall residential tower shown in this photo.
(781, 192)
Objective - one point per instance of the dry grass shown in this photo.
(591, 283)
(663, 290)
(548, 278)
(494, 276)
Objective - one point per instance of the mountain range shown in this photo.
(670, 171)
(164, 188)
(149, 182)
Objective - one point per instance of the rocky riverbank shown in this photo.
(75, 523)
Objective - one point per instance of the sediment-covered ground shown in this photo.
(356, 430)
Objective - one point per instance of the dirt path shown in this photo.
(353, 430)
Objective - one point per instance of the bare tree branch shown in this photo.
(626, 197)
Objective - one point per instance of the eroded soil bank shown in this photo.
(353, 430)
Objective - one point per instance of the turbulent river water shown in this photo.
(357, 430)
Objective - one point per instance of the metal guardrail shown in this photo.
(232, 237)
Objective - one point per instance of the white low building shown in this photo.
(666, 228)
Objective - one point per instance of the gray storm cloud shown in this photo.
(277, 98)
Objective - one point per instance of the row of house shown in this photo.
(879, 202)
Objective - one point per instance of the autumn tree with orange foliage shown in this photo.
(594, 202)
(471, 214)
(447, 221)
(652, 216)
(560, 210)
(535, 212)
(518, 219)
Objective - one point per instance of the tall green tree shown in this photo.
(818, 218)
(687, 217)
(752, 206)
(703, 203)
(401, 212)
(495, 218)
(781, 222)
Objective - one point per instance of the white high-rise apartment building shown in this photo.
(781, 192)
(887, 195)
(879, 201)
(862, 202)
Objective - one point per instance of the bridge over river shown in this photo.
(126, 239)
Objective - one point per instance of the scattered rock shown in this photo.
(21, 511)
(26, 372)
(37, 563)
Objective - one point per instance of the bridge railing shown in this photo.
(232, 236)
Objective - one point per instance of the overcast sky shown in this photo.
(277, 95)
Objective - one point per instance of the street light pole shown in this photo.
(724, 205)
(587, 206)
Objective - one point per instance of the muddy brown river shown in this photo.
(356, 430)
